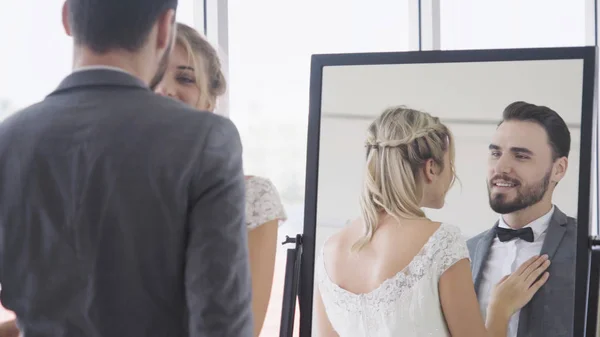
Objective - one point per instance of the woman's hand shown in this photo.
(515, 290)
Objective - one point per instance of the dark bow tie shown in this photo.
(507, 234)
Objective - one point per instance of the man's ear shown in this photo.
(166, 27)
(560, 169)
(65, 18)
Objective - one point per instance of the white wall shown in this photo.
(466, 91)
(454, 90)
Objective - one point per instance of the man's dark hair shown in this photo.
(102, 25)
(558, 133)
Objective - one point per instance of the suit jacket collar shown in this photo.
(482, 251)
(556, 231)
(105, 67)
(98, 76)
(554, 235)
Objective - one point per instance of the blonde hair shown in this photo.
(399, 142)
(207, 66)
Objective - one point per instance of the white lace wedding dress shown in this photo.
(263, 203)
(406, 304)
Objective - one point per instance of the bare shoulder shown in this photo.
(333, 242)
(342, 240)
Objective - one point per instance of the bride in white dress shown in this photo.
(393, 272)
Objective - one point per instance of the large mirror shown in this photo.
(470, 92)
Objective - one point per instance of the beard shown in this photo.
(162, 67)
(526, 195)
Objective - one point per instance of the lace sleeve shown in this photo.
(452, 248)
(263, 203)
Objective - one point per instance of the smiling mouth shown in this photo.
(502, 184)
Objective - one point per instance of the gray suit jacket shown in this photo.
(122, 214)
(550, 311)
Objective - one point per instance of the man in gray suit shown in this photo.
(528, 157)
(121, 211)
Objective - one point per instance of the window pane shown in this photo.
(477, 24)
(39, 55)
(185, 12)
(270, 44)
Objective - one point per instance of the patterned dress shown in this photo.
(263, 203)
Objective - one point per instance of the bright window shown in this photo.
(485, 24)
(186, 10)
(38, 54)
(270, 47)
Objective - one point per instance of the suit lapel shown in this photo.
(556, 231)
(481, 255)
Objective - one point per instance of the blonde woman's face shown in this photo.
(179, 81)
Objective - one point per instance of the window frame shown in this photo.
(211, 18)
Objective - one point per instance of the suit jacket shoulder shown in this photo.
(139, 202)
(474, 241)
(136, 114)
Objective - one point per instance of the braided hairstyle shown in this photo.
(399, 142)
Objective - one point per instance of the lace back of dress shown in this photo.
(402, 298)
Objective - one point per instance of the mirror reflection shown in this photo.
(447, 199)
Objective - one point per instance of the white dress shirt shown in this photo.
(505, 257)
(84, 68)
